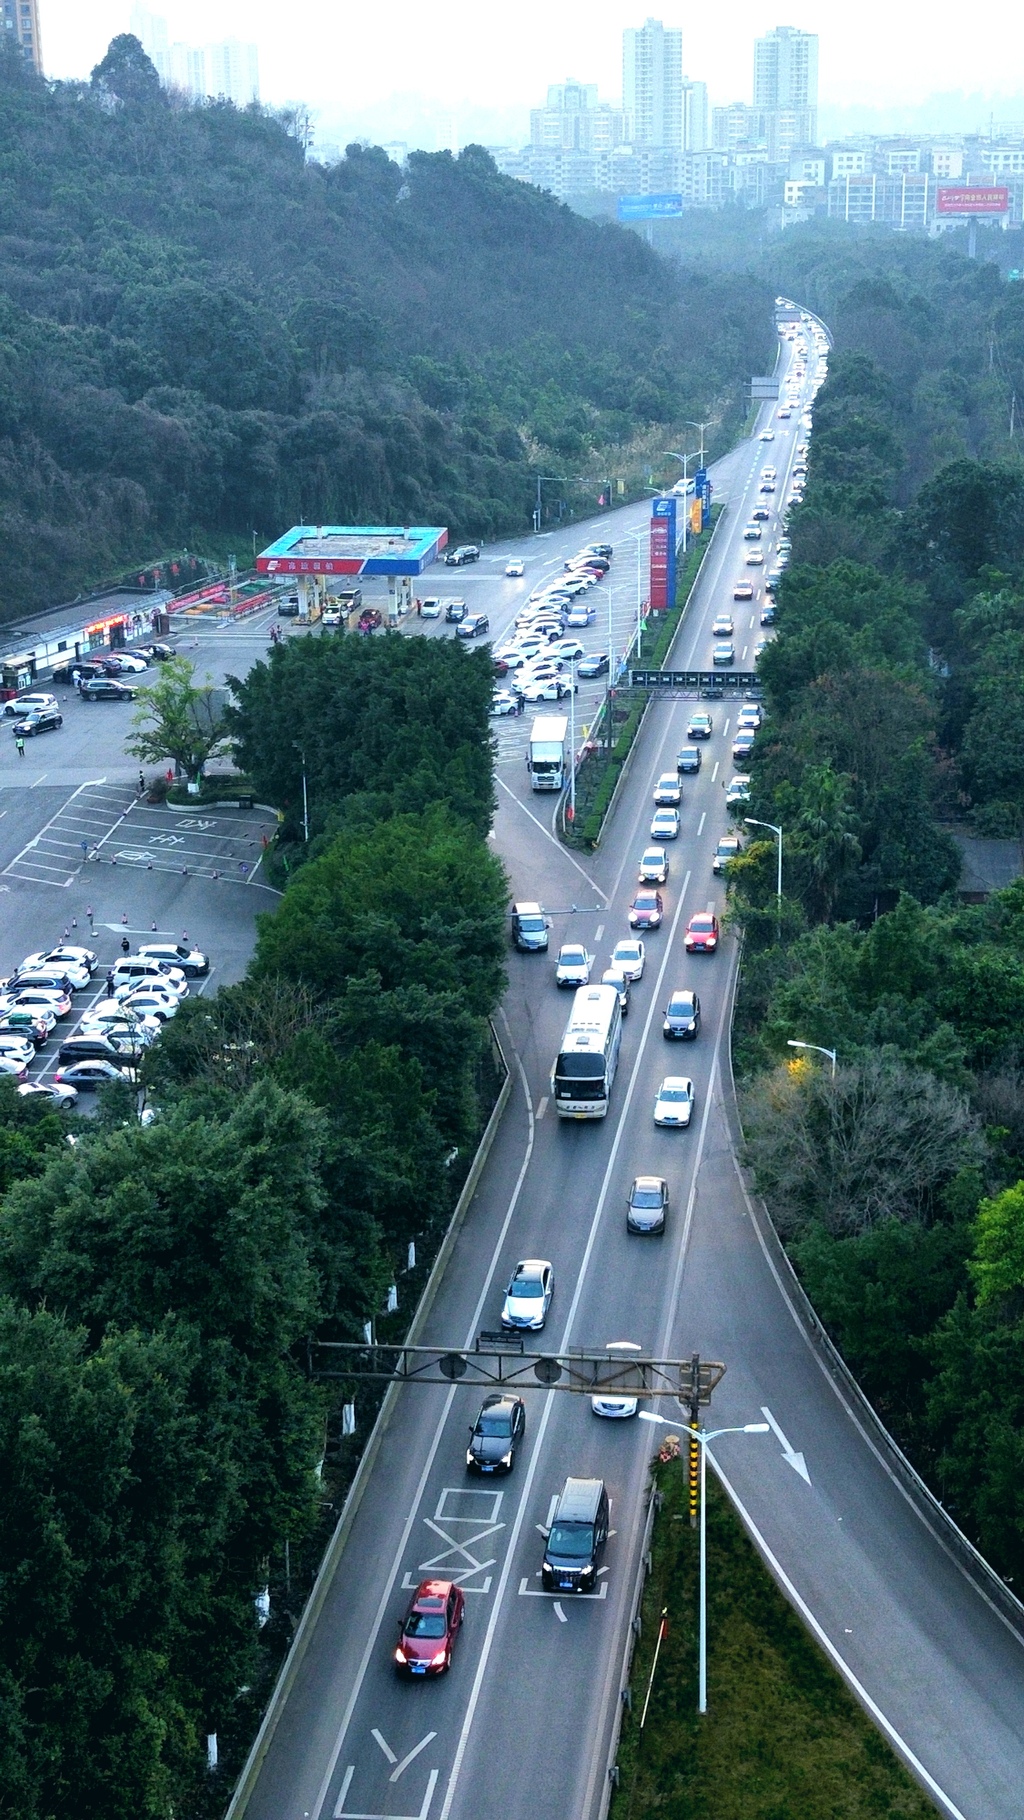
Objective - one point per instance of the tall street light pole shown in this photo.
(572, 742)
(752, 822)
(792, 1043)
(690, 424)
(305, 799)
(686, 459)
(704, 1440)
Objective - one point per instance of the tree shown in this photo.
(879, 1142)
(179, 720)
(126, 73)
(826, 833)
(998, 1264)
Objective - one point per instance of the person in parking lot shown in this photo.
(126, 946)
(20, 743)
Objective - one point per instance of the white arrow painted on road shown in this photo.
(559, 1613)
(794, 1459)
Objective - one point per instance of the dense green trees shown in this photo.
(204, 333)
(895, 705)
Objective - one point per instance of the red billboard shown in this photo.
(660, 546)
(989, 199)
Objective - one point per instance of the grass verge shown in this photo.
(783, 1739)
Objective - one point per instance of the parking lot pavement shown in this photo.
(108, 824)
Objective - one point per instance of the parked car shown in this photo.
(21, 705)
(88, 1075)
(62, 1095)
(192, 961)
(455, 612)
(430, 608)
(473, 625)
(105, 688)
(503, 702)
(727, 849)
(594, 665)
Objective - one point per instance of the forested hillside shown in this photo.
(894, 689)
(203, 336)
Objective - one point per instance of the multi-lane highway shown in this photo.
(523, 1721)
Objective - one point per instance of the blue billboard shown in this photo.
(702, 488)
(650, 208)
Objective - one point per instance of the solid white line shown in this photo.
(515, 1531)
(386, 1594)
(884, 1724)
(700, 824)
(714, 773)
(549, 836)
(384, 1745)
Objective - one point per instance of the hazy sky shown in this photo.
(346, 58)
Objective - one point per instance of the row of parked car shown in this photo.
(143, 991)
(542, 660)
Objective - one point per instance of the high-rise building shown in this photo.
(575, 120)
(652, 84)
(696, 119)
(786, 82)
(229, 70)
(21, 23)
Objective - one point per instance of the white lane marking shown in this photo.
(549, 836)
(598, 932)
(829, 1647)
(411, 1756)
(392, 1756)
(725, 729)
(39, 780)
(349, 1773)
(714, 773)
(526, 1591)
(428, 1464)
(700, 824)
(789, 1454)
(538, 1446)
(542, 1106)
(559, 1613)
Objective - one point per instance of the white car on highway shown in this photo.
(515, 566)
(674, 1104)
(665, 825)
(573, 965)
(613, 1405)
(628, 959)
(528, 1296)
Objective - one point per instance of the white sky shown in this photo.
(344, 57)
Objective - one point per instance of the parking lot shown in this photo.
(110, 825)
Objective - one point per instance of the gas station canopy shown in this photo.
(353, 550)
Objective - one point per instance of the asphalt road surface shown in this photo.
(523, 1721)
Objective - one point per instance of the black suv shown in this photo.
(455, 612)
(466, 552)
(42, 720)
(472, 626)
(104, 688)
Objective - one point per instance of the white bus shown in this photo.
(585, 1065)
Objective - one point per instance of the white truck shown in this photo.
(548, 754)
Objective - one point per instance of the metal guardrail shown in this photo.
(630, 1641)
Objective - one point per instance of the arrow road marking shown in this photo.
(422, 1745)
(384, 1745)
(796, 1460)
(559, 1613)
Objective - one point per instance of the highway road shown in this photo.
(523, 1721)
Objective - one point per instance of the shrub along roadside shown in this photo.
(782, 1734)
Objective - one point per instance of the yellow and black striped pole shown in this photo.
(693, 1470)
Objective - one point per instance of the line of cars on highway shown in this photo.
(142, 991)
(543, 657)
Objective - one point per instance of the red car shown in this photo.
(702, 933)
(428, 1631)
(646, 910)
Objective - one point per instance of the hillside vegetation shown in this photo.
(204, 336)
(893, 691)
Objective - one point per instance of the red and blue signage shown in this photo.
(663, 553)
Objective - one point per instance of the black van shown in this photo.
(577, 1537)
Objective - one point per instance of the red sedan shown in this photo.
(702, 933)
(428, 1631)
(646, 910)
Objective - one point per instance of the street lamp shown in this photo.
(701, 427)
(305, 799)
(704, 1440)
(572, 741)
(685, 459)
(792, 1043)
(752, 822)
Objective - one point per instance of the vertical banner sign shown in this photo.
(663, 553)
(696, 515)
(702, 491)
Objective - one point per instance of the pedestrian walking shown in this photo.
(126, 946)
(110, 982)
(142, 783)
(20, 743)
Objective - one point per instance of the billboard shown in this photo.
(702, 488)
(650, 208)
(663, 553)
(979, 199)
